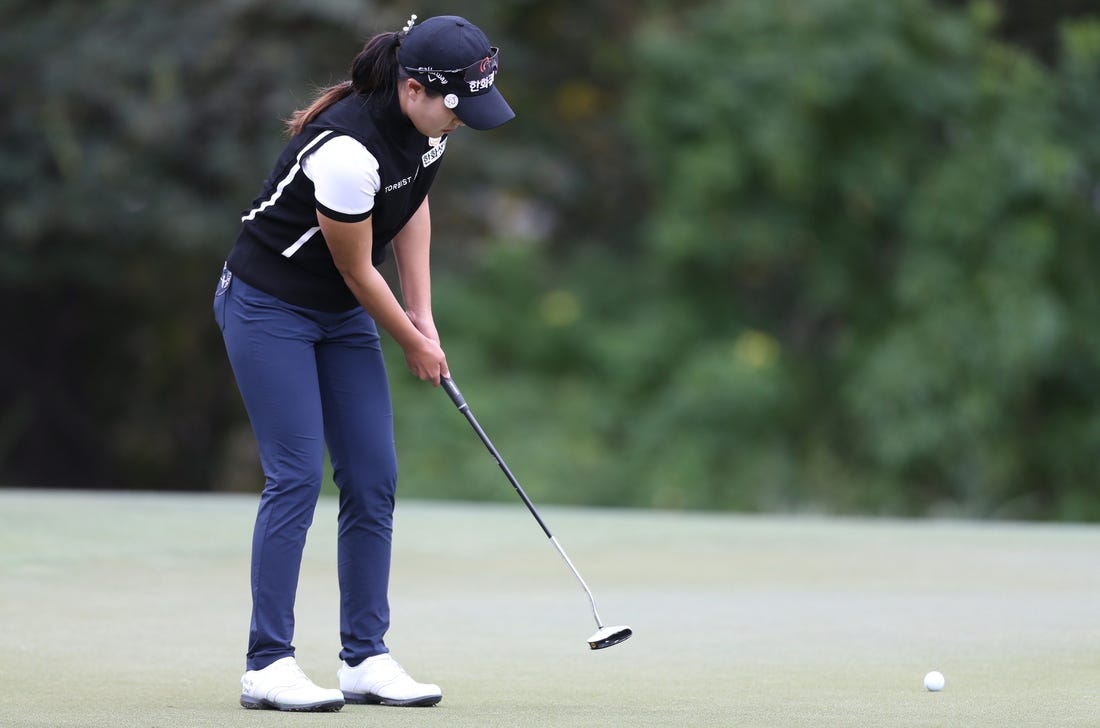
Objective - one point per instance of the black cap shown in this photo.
(451, 55)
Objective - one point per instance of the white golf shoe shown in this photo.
(283, 686)
(380, 680)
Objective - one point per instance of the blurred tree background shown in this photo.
(795, 255)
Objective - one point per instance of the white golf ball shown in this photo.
(934, 681)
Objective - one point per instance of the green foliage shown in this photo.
(905, 206)
(804, 254)
(136, 132)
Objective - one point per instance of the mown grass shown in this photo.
(132, 610)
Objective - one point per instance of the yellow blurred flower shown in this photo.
(560, 308)
(755, 349)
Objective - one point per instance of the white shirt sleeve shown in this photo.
(345, 177)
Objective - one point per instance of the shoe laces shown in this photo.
(292, 673)
(397, 672)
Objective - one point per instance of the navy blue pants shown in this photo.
(310, 378)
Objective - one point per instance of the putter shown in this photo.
(604, 636)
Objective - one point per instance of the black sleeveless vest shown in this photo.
(280, 249)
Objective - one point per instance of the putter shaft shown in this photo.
(460, 402)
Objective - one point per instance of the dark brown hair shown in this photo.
(375, 69)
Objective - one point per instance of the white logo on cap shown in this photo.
(482, 83)
(450, 101)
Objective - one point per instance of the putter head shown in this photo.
(609, 637)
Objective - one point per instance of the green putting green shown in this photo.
(132, 610)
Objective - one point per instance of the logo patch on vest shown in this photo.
(429, 157)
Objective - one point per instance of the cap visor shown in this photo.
(485, 111)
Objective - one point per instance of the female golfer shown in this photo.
(299, 302)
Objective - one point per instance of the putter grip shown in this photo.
(452, 392)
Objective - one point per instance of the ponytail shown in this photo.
(375, 69)
(326, 98)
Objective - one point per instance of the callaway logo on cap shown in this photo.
(451, 55)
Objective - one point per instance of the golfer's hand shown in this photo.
(426, 360)
(424, 324)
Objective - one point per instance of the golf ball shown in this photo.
(934, 681)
